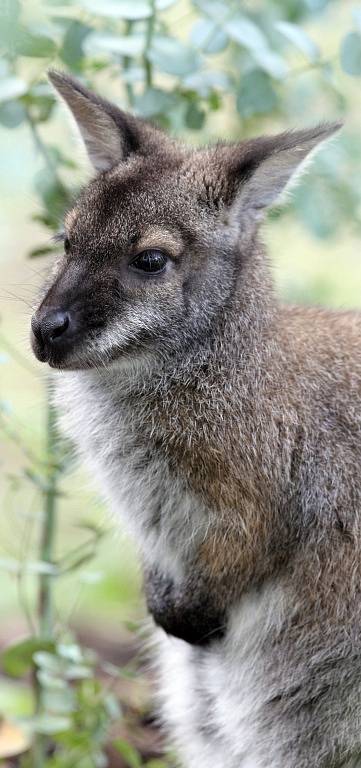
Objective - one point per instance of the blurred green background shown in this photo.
(204, 70)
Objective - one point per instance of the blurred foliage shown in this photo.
(187, 65)
(256, 60)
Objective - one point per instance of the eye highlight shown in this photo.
(151, 262)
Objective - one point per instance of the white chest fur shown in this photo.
(165, 520)
(214, 698)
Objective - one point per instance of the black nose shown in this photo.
(50, 328)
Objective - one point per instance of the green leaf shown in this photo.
(318, 210)
(17, 659)
(173, 57)
(206, 81)
(15, 699)
(41, 105)
(256, 95)
(12, 114)
(216, 9)
(42, 250)
(49, 662)
(119, 9)
(49, 724)
(59, 700)
(128, 753)
(154, 102)
(39, 566)
(100, 42)
(59, 158)
(48, 680)
(71, 652)
(208, 36)
(97, 529)
(11, 88)
(351, 54)
(194, 117)
(271, 62)
(155, 764)
(54, 195)
(9, 15)
(79, 561)
(112, 706)
(71, 51)
(78, 672)
(133, 75)
(33, 45)
(299, 38)
(245, 32)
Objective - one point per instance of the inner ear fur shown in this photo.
(259, 170)
(109, 134)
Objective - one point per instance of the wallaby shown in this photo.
(225, 427)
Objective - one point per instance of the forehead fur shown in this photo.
(165, 189)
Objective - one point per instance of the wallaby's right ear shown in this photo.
(109, 134)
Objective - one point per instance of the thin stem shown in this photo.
(148, 67)
(40, 146)
(126, 65)
(46, 554)
(45, 607)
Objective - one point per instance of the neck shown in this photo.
(241, 329)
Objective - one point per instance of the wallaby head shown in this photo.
(155, 244)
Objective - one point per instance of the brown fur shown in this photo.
(253, 406)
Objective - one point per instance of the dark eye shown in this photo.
(66, 244)
(151, 261)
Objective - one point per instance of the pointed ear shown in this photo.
(266, 166)
(109, 134)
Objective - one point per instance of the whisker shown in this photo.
(13, 296)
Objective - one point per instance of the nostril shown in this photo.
(50, 326)
(61, 324)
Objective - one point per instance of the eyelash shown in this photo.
(58, 237)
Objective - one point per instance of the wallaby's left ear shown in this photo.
(109, 134)
(265, 166)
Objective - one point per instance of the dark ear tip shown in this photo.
(336, 125)
(55, 76)
(62, 81)
(328, 129)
